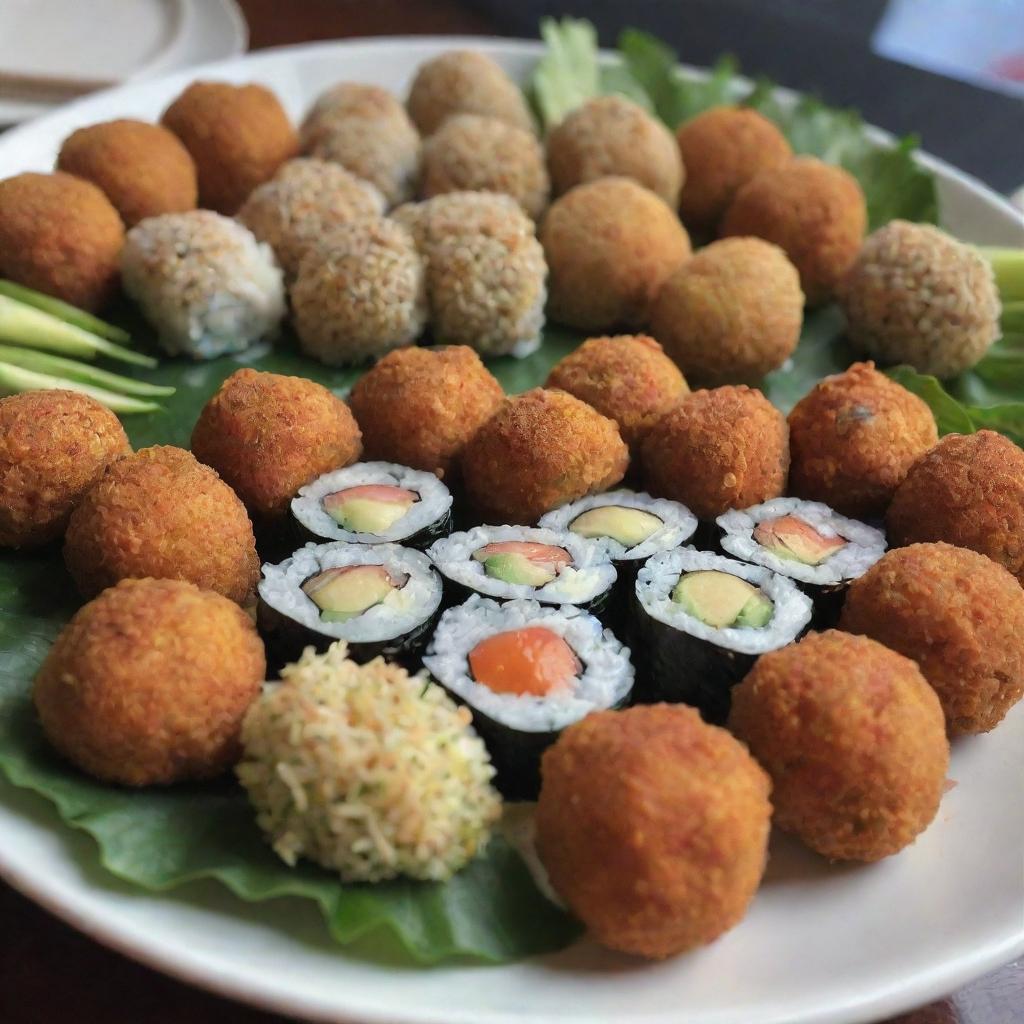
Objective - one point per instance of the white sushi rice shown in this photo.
(590, 574)
(434, 501)
(606, 677)
(678, 522)
(791, 610)
(402, 611)
(866, 544)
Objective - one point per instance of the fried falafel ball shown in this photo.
(420, 407)
(267, 435)
(470, 152)
(161, 513)
(143, 169)
(716, 450)
(610, 246)
(917, 295)
(853, 738)
(612, 135)
(540, 450)
(732, 313)
(238, 136)
(366, 130)
(853, 438)
(54, 445)
(359, 293)
(959, 615)
(969, 491)
(148, 683)
(465, 82)
(722, 149)
(813, 210)
(627, 378)
(60, 235)
(302, 203)
(653, 827)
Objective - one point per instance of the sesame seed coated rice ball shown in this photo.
(612, 135)
(305, 200)
(366, 130)
(367, 771)
(916, 295)
(359, 293)
(473, 153)
(203, 282)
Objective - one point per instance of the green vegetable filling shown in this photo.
(722, 601)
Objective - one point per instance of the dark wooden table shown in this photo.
(49, 974)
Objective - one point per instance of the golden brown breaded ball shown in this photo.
(613, 135)
(465, 82)
(813, 210)
(60, 235)
(852, 439)
(716, 450)
(161, 513)
(238, 136)
(54, 445)
(853, 738)
(148, 683)
(722, 149)
(959, 615)
(419, 407)
(143, 169)
(538, 451)
(610, 245)
(969, 491)
(627, 378)
(267, 435)
(653, 827)
(474, 153)
(732, 313)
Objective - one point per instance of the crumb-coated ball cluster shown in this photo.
(627, 378)
(732, 313)
(54, 445)
(653, 827)
(716, 450)
(614, 135)
(267, 435)
(853, 438)
(161, 513)
(540, 450)
(238, 136)
(853, 738)
(419, 407)
(143, 169)
(148, 684)
(60, 235)
(969, 491)
(959, 615)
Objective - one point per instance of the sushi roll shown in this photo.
(374, 503)
(507, 562)
(701, 621)
(526, 672)
(808, 542)
(380, 599)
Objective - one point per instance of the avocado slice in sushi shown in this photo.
(369, 508)
(345, 592)
(532, 661)
(720, 600)
(522, 562)
(628, 526)
(795, 540)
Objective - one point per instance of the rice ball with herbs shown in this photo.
(367, 771)
(203, 282)
(360, 293)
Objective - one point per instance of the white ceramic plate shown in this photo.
(836, 944)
